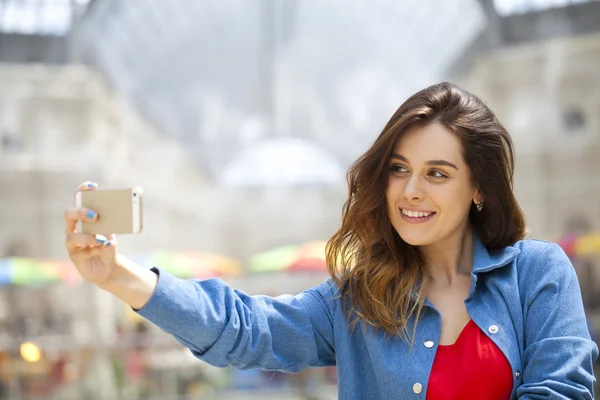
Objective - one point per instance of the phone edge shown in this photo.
(136, 208)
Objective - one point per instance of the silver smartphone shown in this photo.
(119, 211)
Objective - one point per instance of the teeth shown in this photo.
(416, 214)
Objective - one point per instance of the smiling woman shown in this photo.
(433, 191)
(424, 182)
(430, 262)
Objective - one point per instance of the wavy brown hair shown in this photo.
(382, 279)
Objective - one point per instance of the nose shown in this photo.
(413, 189)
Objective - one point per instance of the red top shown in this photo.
(471, 368)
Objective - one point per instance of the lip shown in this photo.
(416, 220)
(415, 209)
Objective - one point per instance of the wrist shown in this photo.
(121, 275)
(131, 283)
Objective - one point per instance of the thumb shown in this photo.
(109, 248)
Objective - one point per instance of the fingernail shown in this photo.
(108, 244)
(92, 184)
(100, 239)
(91, 214)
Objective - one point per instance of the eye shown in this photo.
(398, 169)
(437, 174)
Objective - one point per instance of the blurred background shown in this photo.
(239, 119)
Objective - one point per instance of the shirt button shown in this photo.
(493, 329)
(417, 388)
(428, 344)
(518, 374)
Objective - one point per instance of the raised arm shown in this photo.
(218, 324)
(223, 326)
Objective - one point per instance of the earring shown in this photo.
(479, 205)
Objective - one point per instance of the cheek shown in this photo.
(456, 200)
(391, 193)
(389, 202)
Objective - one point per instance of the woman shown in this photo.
(433, 292)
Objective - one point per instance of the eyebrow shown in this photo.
(430, 162)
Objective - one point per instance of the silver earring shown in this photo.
(479, 205)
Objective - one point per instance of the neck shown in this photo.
(450, 259)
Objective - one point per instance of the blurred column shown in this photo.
(267, 61)
(493, 32)
(277, 24)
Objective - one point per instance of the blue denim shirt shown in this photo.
(526, 298)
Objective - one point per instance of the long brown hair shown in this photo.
(382, 279)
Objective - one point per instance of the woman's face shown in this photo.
(429, 190)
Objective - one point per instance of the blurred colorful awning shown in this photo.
(304, 257)
(584, 245)
(191, 264)
(36, 271)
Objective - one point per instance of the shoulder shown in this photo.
(327, 289)
(540, 262)
(326, 293)
(538, 253)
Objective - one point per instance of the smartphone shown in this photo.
(119, 211)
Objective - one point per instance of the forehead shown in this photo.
(431, 142)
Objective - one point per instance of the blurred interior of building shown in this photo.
(239, 120)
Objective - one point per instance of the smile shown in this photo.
(416, 216)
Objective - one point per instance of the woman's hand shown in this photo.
(98, 261)
(94, 256)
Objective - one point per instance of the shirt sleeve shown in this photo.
(559, 355)
(226, 327)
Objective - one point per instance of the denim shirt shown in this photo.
(525, 298)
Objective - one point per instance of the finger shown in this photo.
(87, 186)
(71, 225)
(108, 248)
(111, 242)
(96, 251)
(79, 254)
(74, 215)
(78, 240)
(83, 214)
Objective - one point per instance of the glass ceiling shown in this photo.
(226, 76)
(510, 7)
(222, 76)
(38, 17)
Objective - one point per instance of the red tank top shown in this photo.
(471, 368)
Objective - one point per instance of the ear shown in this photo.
(478, 197)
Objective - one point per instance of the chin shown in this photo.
(415, 239)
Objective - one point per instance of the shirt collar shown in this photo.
(485, 261)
